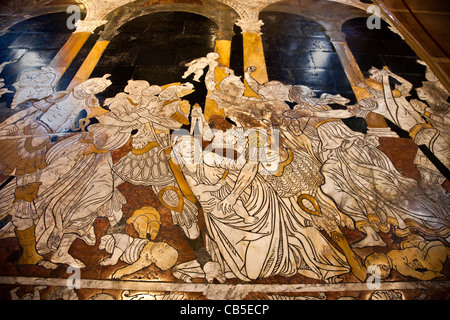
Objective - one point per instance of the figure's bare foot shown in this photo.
(108, 262)
(373, 240)
(67, 259)
(335, 279)
(250, 219)
(47, 265)
(213, 271)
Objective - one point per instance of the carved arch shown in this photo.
(223, 15)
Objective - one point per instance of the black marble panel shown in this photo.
(200, 27)
(119, 56)
(119, 74)
(151, 56)
(35, 42)
(367, 60)
(285, 59)
(188, 54)
(126, 40)
(7, 39)
(316, 79)
(402, 64)
(159, 75)
(283, 75)
(304, 57)
(188, 41)
(382, 47)
(397, 47)
(40, 41)
(237, 52)
(292, 26)
(49, 23)
(156, 48)
(368, 46)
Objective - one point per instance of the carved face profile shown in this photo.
(432, 94)
(298, 92)
(136, 87)
(93, 86)
(213, 56)
(188, 150)
(152, 91)
(232, 86)
(163, 255)
(274, 90)
(379, 264)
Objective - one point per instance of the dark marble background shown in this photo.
(156, 47)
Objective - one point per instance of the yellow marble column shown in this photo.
(68, 52)
(65, 57)
(253, 51)
(90, 63)
(254, 56)
(375, 122)
(223, 48)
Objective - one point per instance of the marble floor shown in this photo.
(222, 150)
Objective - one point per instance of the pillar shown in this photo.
(72, 47)
(89, 64)
(253, 50)
(376, 123)
(68, 52)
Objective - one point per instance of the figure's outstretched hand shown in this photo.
(213, 271)
(227, 204)
(209, 205)
(298, 113)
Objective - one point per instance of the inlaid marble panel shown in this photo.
(174, 173)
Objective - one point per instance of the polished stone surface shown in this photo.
(341, 197)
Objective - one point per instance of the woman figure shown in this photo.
(363, 181)
(276, 242)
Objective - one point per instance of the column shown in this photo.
(89, 64)
(68, 52)
(72, 47)
(253, 50)
(376, 123)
